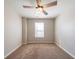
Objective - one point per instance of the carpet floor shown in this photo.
(39, 51)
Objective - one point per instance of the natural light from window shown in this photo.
(39, 30)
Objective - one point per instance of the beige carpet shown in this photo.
(39, 51)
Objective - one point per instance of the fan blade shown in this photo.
(38, 2)
(44, 12)
(28, 6)
(50, 4)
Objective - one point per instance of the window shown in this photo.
(39, 30)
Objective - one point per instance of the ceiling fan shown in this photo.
(40, 5)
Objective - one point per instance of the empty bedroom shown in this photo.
(39, 29)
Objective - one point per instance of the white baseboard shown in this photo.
(65, 50)
(12, 51)
(41, 42)
(24, 43)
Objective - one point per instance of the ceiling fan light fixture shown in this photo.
(40, 7)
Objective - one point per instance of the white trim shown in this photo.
(12, 51)
(65, 50)
(24, 43)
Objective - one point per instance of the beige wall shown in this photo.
(65, 27)
(24, 30)
(48, 28)
(13, 29)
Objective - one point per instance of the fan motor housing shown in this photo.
(39, 6)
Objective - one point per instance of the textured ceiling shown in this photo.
(34, 13)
